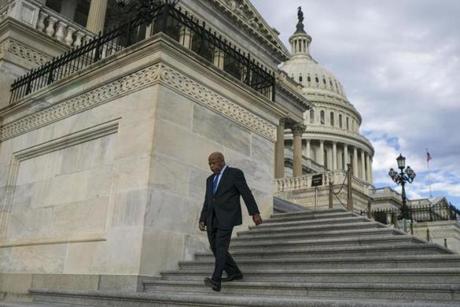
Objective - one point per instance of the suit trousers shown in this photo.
(219, 240)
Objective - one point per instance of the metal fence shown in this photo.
(166, 18)
(426, 213)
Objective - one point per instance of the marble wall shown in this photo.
(118, 189)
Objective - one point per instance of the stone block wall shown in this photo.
(104, 173)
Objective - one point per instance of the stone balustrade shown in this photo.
(45, 20)
(288, 184)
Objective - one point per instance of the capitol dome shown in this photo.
(331, 139)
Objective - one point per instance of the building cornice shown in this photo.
(48, 105)
(247, 17)
(336, 135)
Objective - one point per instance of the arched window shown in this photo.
(322, 120)
(348, 123)
(300, 78)
(312, 116)
(332, 119)
(340, 121)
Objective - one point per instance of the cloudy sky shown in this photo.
(399, 61)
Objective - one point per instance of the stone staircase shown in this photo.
(322, 258)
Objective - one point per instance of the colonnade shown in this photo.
(331, 154)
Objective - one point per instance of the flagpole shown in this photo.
(428, 158)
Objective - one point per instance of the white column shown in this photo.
(279, 150)
(96, 16)
(334, 156)
(297, 131)
(346, 157)
(363, 165)
(369, 169)
(321, 152)
(355, 161)
(308, 150)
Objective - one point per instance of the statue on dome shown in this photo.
(300, 14)
(300, 28)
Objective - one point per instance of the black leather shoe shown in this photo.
(237, 276)
(212, 284)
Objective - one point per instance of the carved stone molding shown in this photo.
(23, 51)
(134, 82)
(243, 12)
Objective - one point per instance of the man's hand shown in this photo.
(257, 219)
(202, 226)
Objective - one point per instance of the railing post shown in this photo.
(349, 188)
(331, 192)
(428, 234)
(394, 219)
(369, 203)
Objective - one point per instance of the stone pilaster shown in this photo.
(186, 37)
(363, 165)
(279, 150)
(297, 131)
(96, 16)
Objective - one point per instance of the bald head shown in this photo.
(216, 162)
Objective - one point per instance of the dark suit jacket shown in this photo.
(225, 204)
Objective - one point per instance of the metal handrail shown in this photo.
(165, 18)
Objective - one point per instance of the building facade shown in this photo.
(104, 138)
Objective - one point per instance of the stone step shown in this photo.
(304, 217)
(295, 244)
(440, 293)
(318, 228)
(328, 252)
(206, 297)
(308, 213)
(299, 247)
(430, 261)
(313, 222)
(413, 275)
(357, 233)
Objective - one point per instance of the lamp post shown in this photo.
(406, 175)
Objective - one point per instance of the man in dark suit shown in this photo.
(221, 212)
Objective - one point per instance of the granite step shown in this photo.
(357, 233)
(201, 298)
(308, 213)
(256, 230)
(323, 222)
(428, 261)
(304, 217)
(400, 275)
(327, 252)
(296, 244)
(350, 290)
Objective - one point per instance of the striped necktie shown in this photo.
(214, 183)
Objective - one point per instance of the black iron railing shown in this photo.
(165, 18)
(425, 213)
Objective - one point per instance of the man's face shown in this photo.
(216, 163)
